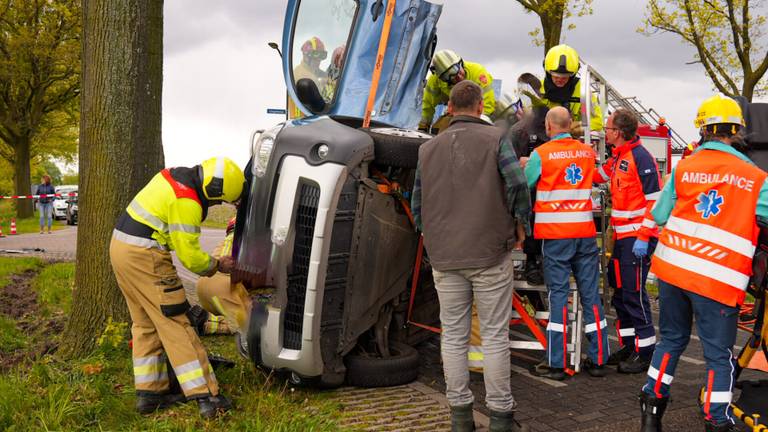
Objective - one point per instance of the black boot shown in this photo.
(211, 406)
(147, 403)
(620, 356)
(542, 369)
(725, 427)
(594, 370)
(505, 422)
(652, 409)
(533, 272)
(635, 364)
(461, 418)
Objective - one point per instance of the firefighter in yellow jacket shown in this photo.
(562, 87)
(448, 69)
(165, 216)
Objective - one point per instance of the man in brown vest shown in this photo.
(469, 189)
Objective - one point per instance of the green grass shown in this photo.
(219, 216)
(54, 286)
(11, 338)
(96, 392)
(9, 266)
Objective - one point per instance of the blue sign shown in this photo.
(276, 111)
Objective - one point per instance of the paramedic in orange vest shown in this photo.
(709, 211)
(635, 186)
(562, 171)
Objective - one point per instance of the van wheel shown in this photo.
(367, 370)
(397, 147)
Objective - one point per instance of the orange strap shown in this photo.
(379, 62)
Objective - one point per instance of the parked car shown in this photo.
(60, 203)
(71, 213)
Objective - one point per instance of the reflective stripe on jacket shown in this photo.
(175, 212)
(708, 241)
(563, 205)
(635, 187)
(437, 91)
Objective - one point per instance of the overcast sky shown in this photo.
(220, 76)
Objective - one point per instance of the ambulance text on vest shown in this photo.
(570, 154)
(709, 178)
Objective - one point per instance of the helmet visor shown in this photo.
(449, 75)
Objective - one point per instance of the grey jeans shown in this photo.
(492, 289)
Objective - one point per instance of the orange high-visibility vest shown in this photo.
(708, 242)
(563, 205)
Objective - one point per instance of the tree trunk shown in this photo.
(552, 28)
(21, 178)
(120, 148)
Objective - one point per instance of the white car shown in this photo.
(60, 203)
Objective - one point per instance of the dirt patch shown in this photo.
(19, 301)
(18, 298)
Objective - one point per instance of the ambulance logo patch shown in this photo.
(709, 204)
(483, 80)
(573, 174)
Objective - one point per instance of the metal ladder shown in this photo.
(608, 96)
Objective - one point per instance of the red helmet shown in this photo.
(337, 58)
(314, 47)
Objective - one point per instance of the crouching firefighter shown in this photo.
(709, 211)
(165, 216)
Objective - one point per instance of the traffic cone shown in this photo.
(1, 229)
(13, 226)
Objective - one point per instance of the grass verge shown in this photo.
(23, 226)
(10, 266)
(96, 392)
(219, 216)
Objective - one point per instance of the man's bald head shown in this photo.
(558, 121)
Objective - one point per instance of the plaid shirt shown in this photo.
(518, 195)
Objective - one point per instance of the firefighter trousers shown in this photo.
(627, 275)
(491, 288)
(220, 297)
(157, 303)
(580, 257)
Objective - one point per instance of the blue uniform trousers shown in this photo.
(580, 256)
(627, 275)
(716, 326)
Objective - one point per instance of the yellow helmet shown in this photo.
(222, 179)
(561, 59)
(719, 109)
(443, 61)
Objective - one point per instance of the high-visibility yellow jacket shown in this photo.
(437, 92)
(175, 211)
(595, 115)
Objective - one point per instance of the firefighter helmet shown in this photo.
(561, 59)
(446, 64)
(222, 179)
(314, 47)
(719, 109)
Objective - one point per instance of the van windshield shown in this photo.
(318, 49)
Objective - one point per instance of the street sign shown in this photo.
(276, 111)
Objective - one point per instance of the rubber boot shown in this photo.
(212, 406)
(149, 403)
(725, 427)
(652, 409)
(461, 418)
(505, 422)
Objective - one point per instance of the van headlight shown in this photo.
(262, 143)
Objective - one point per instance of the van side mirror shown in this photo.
(309, 95)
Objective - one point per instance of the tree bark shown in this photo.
(21, 180)
(120, 147)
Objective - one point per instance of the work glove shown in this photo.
(640, 248)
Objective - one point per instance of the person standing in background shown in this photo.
(45, 204)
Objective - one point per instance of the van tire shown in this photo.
(368, 371)
(396, 147)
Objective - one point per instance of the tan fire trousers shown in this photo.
(156, 299)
